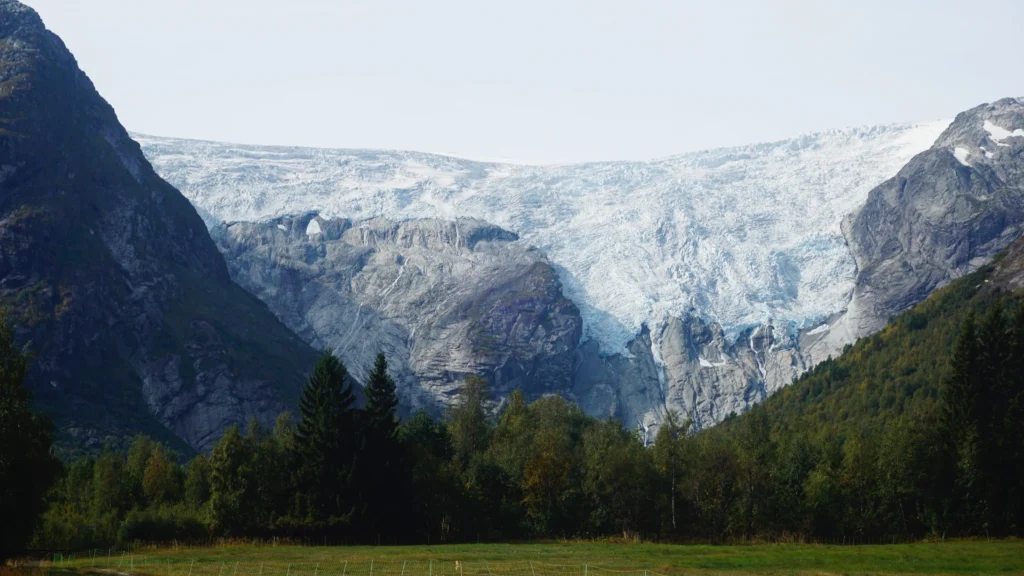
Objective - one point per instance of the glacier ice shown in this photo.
(737, 235)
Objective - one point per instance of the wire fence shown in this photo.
(127, 563)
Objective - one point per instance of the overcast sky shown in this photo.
(537, 81)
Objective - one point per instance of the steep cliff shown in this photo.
(443, 299)
(111, 276)
(947, 212)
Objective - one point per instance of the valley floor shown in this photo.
(562, 559)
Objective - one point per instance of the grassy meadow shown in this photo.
(563, 559)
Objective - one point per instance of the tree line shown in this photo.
(543, 469)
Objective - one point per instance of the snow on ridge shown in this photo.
(961, 155)
(998, 133)
(742, 235)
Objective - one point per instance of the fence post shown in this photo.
(345, 569)
(403, 568)
(534, 572)
(371, 567)
(261, 568)
(236, 568)
(488, 566)
(289, 570)
(190, 567)
(317, 569)
(585, 569)
(430, 568)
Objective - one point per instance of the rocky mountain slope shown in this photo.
(705, 282)
(443, 299)
(109, 273)
(948, 211)
(693, 274)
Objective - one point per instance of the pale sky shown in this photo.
(537, 81)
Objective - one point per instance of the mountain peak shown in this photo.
(112, 274)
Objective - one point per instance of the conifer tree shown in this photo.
(26, 466)
(384, 477)
(325, 442)
(381, 401)
(962, 429)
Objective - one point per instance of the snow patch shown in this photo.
(282, 227)
(708, 364)
(997, 133)
(819, 330)
(313, 227)
(961, 155)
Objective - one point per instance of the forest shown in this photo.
(912, 433)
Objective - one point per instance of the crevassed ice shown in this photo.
(736, 235)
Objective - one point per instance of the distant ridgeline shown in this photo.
(913, 432)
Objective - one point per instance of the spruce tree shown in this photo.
(381, 401)
(961, 429)
(325, 442)
(27, 467)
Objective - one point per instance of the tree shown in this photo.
(467, 421)
(325, 443)
(383, 483)
(161, 481)
(962, 429)
(381, 401)
(668, 457)
(436, 494)
(231, 484)
(197, 482)
(139, 452)
(27, 467)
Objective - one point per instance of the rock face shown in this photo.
(947, 212)
(442, 299)
(110, 274)
(734, 242)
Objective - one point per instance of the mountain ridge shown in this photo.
(111, 274)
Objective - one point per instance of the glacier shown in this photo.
(737, 236)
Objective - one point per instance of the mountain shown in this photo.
(694, 275)
(948, 211)
(900, 369)
(110, 275)
(706, 281)
(442, 299)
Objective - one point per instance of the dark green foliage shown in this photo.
(382, 467)
(326, 445)
(913, 432)
(26, 465)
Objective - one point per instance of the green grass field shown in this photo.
(564, 559)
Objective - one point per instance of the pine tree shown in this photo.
(26, 466)
(382, 467)
(325, 442)
(381, 401)
(1013, 416)
(961, 429)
